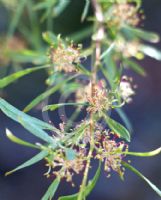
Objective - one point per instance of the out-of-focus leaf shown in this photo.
(151, 52)
(47, 93)
(144, 154)
(56, 106)
(107, 51)
(88, 189)
(50, 38)
(85, 10)
(30, 162)
(82, 34)
(35, 126)
(19, 141)
(135, 67)
(143, 177)
(83, 70)
(117, 128)
(145, 35)
(13, 77)
(70, 154)
(124, 118)
(60, 7)
(16, 17)
(51, 190)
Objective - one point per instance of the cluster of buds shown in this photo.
(126, 90)
(65, 56)
(124, 13)
(97, 97)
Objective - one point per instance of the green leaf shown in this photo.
(17, 140)
(124, 118)
(135, 67)
(51, 190)
(151, 52)
(143, 177)
(30, 162)
(144, 154)
(85, 10)
(88, 189)
(16, 17)
(47, 93)
(70, 154)
(56, 106)
(145, 35)
(117, 128)
(35, 126)
(13, 77)
(60, 7)
(107, 51)
(50, 38)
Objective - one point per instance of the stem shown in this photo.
(99, 36)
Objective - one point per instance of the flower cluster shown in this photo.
(63, 167)
(128, 49)
(96, 95)
(65, 56)
(111, 152)
(124, 13)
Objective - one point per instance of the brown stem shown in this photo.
(97, 40)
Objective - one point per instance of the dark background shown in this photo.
(144, 113)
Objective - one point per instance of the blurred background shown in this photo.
(144, 113)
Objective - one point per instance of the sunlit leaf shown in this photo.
(51, 190)
(30, 162)
(85, 10)
(107, 51)
(143, 177)
(19, 141)
(144, 154)
(151, 52)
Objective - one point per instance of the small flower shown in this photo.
(126, 90)
(65, 56)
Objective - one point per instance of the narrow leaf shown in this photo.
(135, 67)
(56, 106)
(144, 154)
(35, 126)
(45, 94)
(85, 11)
(13, 77)
(151, 52)
(117, 128)
(143, 177)
(51, 190)
(107, 51)
(30, 162)
(124, 118)
(17, 140)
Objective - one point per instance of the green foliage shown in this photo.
(116, 43)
